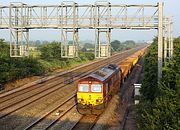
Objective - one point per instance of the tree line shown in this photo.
(46, 60)
(116, 45)
(160, 104)
(119, 46)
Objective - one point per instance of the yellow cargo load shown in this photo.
(133, 59)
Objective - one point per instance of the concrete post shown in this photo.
(160, 39)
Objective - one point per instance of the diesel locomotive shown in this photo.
(96, 89)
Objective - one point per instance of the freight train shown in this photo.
(96, 89)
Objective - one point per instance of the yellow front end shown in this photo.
(89, 98)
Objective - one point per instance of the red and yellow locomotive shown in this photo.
(95, 90)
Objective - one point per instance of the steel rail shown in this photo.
(80, 123)
(51, 111)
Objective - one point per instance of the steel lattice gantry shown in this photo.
(168, 38)
(69, 17)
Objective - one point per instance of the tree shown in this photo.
(162, 113)
(88, 45)
(37, 42)
(171, 70)
(15, 68)
(51, 51)
(115, 45)
(159, 107)
(129, 42)
(149, 87)
(83, 49)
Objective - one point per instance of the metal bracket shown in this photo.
(19, 36)
(102, 50)
(69, 49)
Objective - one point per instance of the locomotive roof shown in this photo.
(105, 72)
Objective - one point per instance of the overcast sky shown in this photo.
(171, 8)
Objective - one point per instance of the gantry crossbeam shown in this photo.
(78, 16)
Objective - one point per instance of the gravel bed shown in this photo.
(21, 118)
(67, 121)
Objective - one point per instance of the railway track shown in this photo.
(26, 100)
(54, 113)
(26, 96)
(86, 122)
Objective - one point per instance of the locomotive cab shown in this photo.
(94, 91)
(90, 94)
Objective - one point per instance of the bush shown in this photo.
(16, 68)
(90, 56)
(50, 51)
(160, 105)
(50, 59)
(149, 87)
(162, 113)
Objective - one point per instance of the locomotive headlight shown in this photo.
(90, 82)
(99, 100)
(80, 100)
